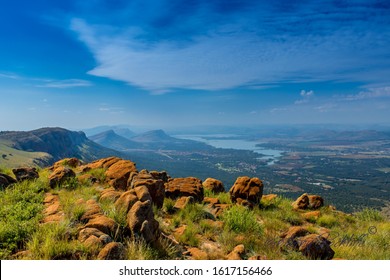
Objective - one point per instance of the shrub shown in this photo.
(241, 220)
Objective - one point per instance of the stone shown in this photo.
(214, 185)
(155, 187)
(60, 175)
(101, 163)
(110, 194)
(315, 247)
(6, 180)
(126, 201)
(85, 233)
(189, 186)
(69, 162)
(118, 173)
(313, 215)
(93, 241)
(315, 201)
(162, 175)
(197, 254)
(301, 203)
(246, 188)
(103, 223)
(25, 173)
(141, 222)
(112, 251)
(183, 201)
(290, 237)
(237, 253)
(211, 200)
(92, 210)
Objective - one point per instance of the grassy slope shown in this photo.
(16, 158)
(364, 235)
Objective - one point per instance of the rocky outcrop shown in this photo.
(247, 191)
(53, 211)
(118, 173)
(154, 183)
(67, 162)
(316, 247)
(183, 201)
(112, 251)
(60, 175)
(189, 186)
(237, 253)
(214, 185)
(25, 173)
(110, 194)
(6, 180)
(140, 220)
(104, 224)
(312, 246)
(104, 163)
(306, 201)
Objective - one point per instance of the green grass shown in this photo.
(20, 212)
(242, 220)
(16, 158)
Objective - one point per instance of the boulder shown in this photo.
(162, 175)
(249, 189)
(290, 237)
(315, 201)
(85, 233)
(118, 173)
(92, 210)
(315, 247)
(183, 201)
(269, 197)
(25, 173)
(189, 186)
(104, 224)
(126, 201)
(60, 176)
(101, 163)
(112, 251)
(141, 222)
(196, 253)
(214, 185)
(301, 203)
(110, 194)
(69, 162)
(155, 187)
(6, 180)
(237, 253)
(311, 215)
(211, 200)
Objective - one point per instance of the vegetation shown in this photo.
(362, 235)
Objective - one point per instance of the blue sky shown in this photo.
(161, 63)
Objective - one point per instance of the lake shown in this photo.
(237, 144)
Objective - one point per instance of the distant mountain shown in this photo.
(112, 140)
(154, 136)
(57, 143)
(118, 129)
(149, 141)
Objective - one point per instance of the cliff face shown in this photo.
(58, 142)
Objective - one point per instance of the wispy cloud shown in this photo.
(261, 45)
(70, 83)
(371, 93)
(9, 76)
(306, 95)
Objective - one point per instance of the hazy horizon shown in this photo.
(159, 63)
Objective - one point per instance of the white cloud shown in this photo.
(66, 83)
(377, 92)
(219, 60)
(306, 93)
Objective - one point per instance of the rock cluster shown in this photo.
(306, 201)
(247, 191)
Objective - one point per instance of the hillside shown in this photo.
(47, 145)
(108, 209)
(148, 142)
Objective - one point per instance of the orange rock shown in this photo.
(126, 201)
(214, 185)
(245, 188)
(315, 201)
(269, 197)
(197, 254)
(302, 202)
(118, 173)
(60, 175)
(315, 247)
(112, 251)
(110, 194)
(189, 186)
(237, 253)
(183, 201)
(92, 210)
(155, 187)
(311, 215)
(290, 237)
(102, 223)
(211, 200)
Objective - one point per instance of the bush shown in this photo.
(241, 220)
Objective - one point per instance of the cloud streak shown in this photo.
(70, 83)
(258, 46)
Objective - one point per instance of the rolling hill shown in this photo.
(46, 145)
